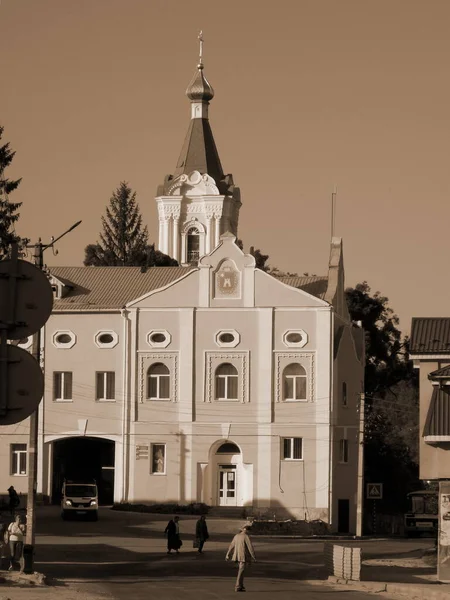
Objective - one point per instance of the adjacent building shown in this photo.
(430, 350)
(211, 382)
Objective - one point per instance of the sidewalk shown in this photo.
(414, 577)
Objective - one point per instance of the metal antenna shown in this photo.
(333, 210)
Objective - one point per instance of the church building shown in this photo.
(210, 382)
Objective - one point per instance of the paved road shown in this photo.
(124, 553)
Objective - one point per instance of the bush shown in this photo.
(194, 508)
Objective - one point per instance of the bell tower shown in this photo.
(198, 203)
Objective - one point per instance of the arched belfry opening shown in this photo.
(193, 245)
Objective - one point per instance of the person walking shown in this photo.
(15, 537)
(241, 551)
(201, 533)
(14, 500)
(173, 535)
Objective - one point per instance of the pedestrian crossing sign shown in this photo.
(374, 491)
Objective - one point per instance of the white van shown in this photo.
(79, 498)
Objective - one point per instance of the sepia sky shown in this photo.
(309, 94)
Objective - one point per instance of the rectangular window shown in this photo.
(18, 459)
(293, 448)
(62, 385)
(344, 394)
(106, 385)
(158, 458)
(343, 451)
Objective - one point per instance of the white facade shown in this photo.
(213, 383)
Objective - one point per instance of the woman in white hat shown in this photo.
(241, 551)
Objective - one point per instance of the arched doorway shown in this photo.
(84, 457)
(228, 457)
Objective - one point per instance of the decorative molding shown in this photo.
(111, 344)
(194, 184)
(162, 344)
(303, 341)
(307, 360)
(170, 359)
(238, 359)
(233, 343)
(65, 345)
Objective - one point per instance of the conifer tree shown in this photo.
(8, 210)
(123, 240)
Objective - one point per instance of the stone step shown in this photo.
(230, 512)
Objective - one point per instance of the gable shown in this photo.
(270, 291)
(181, 293)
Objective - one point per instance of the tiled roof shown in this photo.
(438, 418)
(430, 335)
(443, 373)
(316, 285)
(110, 287)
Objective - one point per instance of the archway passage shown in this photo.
(86, 458)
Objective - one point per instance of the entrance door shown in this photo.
(227, 485)
(343, 515)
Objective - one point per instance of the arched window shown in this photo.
(344, 394)
(158, 382)
(193, 245)
(294, 382)
(228, 448)
(226, 382)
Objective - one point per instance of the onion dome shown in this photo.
(199, 89)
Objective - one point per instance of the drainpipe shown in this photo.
(331, 420)
(125, 404)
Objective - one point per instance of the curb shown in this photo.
(319, 537)
(434, 591)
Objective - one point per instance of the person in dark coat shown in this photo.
(14, 500)
(173, 535)
(201, 533)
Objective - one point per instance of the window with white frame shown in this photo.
(105, 385)
(193, 245)
(158, 459)
(158, 382)
(294, 383)
(343, 451)
(293, 448)
(18, 459)
(226, 379)
(344, 394)
(62, 386)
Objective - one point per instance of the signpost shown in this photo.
(26, 301)
(374, 492)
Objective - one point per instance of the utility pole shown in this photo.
(360, 484)
(39, 249)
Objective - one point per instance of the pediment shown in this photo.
(194, 184)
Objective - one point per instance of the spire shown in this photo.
(199, 152)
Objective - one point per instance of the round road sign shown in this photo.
(33, 299)
(25, 385)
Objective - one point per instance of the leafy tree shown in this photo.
(391, 433)
(387, 358)
(124, 241)
(8, 210)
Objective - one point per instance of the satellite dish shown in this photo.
(25, 385)
(33, 298)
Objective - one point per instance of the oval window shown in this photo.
(63, 338)
(105, 338)
(158, 338)
(226, 338)
(294, 338)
